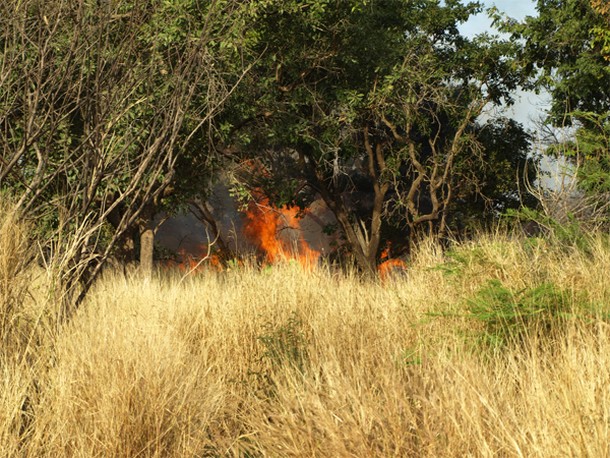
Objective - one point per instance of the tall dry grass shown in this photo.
(14, 258)
(25, 329)
(282, 362)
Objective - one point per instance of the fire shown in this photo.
(195, 262)
(385, 253)
(390, 265)
(264, 225)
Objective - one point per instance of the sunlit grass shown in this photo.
(287, 362)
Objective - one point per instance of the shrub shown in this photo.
(512, 317)
(286, 343)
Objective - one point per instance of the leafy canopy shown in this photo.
(370, 101)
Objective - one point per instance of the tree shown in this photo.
(602, 32)
(98, 101)
(565, 52)
(562, 55)
(373, 107)
(494, 181)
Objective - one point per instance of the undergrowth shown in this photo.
(286, 362)
(513, 317)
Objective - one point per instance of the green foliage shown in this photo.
(588, 155)
(285, 344)
(562, 55)
(592, 150)
(569, 233)
(588, 151)
(493, 178)
(511, 317)
(106, 113)
(363, 98)
(564, 52)
(602, 34)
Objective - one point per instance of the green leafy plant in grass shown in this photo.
(285, 344)
(460, 262)
(510, 316)
(411, 356)
(571, 231)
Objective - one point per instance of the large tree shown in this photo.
(98, 101)
(565, 52)
(372, 105)
(602, 32)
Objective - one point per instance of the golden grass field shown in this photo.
(283, 362)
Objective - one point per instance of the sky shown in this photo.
(517, 9)
(528, 106)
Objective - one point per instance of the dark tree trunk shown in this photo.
(125, 251)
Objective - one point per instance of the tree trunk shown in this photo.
(356, 240)
(201, 210)
(147, 243)
(125, 246)
(147, 240)
(363, 245)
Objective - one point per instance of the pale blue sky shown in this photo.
(516, 9)
(527, 106)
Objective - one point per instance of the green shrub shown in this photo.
(285, 344)
(509, 317)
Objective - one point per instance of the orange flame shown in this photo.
(195, 262)
(385, 253)
(264, 223)
(390, 265)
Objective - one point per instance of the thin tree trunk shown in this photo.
(147, 243)
(147, 240)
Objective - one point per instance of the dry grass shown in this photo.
(282, 362)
